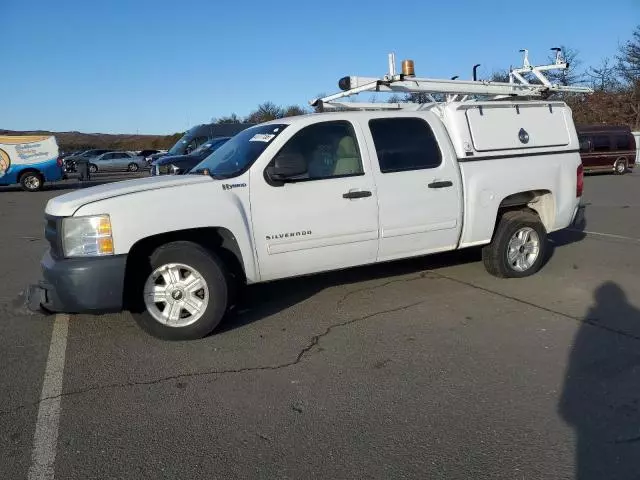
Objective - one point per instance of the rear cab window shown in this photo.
(404, 144)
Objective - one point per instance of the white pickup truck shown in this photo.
(313, 193)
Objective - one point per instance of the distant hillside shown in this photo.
(71, 141)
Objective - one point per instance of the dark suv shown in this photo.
(606, 148)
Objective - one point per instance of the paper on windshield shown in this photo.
(261, 137)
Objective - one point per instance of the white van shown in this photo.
(29, 160)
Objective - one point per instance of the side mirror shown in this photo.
(286, 166)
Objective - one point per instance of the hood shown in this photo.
(195, 159)
(170, 158)
(66, 205)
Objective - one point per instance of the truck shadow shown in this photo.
(601, 394)
(262, 300)
(574, 234)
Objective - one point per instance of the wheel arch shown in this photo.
(538, 202)
(217, 239)
(27, 169)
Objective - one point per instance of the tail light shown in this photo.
(580, 182)
(59, 161)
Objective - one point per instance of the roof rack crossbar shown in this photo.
(518, 85)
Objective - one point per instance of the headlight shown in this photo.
(87, 236)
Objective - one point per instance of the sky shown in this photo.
(160, 67)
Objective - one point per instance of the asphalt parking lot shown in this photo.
(428, 368)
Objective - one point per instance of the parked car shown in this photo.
(116, 162)
(607, 148)
(200, 134)
(146, 154)
(180, 164)
(307, 194)
(69, 162)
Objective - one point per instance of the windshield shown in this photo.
(181, 145)
(236, 155)
(209, 146)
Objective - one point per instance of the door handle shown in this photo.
(357, 194)
(442, 184)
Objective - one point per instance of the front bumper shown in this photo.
(80, 285)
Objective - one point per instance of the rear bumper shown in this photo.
(578, 221)
(80, 285)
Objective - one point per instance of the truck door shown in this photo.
(322, 220)
(418, 183)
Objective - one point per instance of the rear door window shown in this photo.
(404, 144)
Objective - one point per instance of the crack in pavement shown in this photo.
(301, 354)
(316, 338)
(421, 275)
(589, 321)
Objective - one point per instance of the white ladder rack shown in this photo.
(454, 90)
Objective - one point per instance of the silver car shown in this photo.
(117, 162)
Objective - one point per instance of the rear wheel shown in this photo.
(31, 181)
(133, 167)
(185, 295)
(518, 247)
(620, 167)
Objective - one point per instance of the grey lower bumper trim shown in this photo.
(77, 285)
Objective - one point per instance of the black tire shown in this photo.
(620, 167)
(93, 168)
(31, 181)
(214, 274)
(494, 255)
(133, 167)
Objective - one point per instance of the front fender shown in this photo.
(140, 215)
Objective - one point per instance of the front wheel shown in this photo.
(31, 181)
(518, 247)
(185, 296)
(133, 167)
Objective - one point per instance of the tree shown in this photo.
(500, 76)
(294, 110)
(418, 98)
(233, 118)
(603, 78)
(572, 75)
(265, 112)
(629, 69)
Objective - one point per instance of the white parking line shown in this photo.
(610, 235)
(45, 439)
